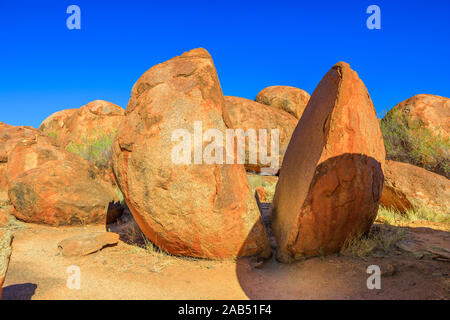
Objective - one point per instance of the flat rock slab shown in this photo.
(427, 241)
(87, 243)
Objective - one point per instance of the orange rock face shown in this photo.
(289, 99)
(5, 254)
(9, 137)
(4, 199)
(434, 111)
(31, 153)
(56, 123)
(331, 180)
(48, 185)
(4, 218)
(407, 186)
(198, 210)
(83, 126)
(246, 114)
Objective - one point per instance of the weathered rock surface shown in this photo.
(433, 111)
(56, 123)
(407, 186)
(96, 120)
(198, 210)
(426, 242)
(4, 217)
(32, 152)
(290, 99)
(61, 192)
(331, 180)
(87, 243)
(4, 199)
(246, 114)
(6, 238)
(9, 137)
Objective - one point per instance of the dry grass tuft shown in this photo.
(381, 238)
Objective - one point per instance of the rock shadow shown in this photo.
(24, 291)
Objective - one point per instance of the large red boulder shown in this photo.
(407, 186)
(48, 185)
(331, 180)
(433, 111)
(417, 131)
(290, 99)
(9, 137)
(246, 114)
(194, 208)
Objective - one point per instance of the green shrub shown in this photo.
(53, 134)
(393, 216)
(96, 149)
(408, 140)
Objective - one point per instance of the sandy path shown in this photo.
(38, 271)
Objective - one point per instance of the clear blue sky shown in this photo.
(44, 67)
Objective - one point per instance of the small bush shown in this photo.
(418, 213)
(380, 238)
(53, 134)
(96, 150)
(408, 140)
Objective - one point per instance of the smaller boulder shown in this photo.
(61, 192)
(84, 244)
(241, 113)
(290, 99)
(407, 186)
(55, 124)
(433, 111)
(90, 124)
(9, 137)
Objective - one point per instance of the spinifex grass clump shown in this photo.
(408, 140)
(96, 149)
(381, 238)
(418, 213)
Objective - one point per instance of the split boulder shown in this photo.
(331, 180)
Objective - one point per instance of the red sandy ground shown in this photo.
(38, 271)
